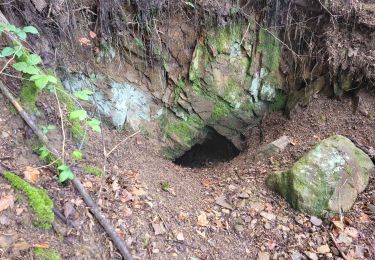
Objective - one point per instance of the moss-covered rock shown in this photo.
(327, 179)
(39, 200)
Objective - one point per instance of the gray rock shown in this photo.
(316, 221)
(275, 147)
(325, 180)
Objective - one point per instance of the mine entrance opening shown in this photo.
(214, 148)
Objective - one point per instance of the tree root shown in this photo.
(120, 244)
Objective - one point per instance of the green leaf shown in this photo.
(10, 27)
(25, 68)
(65, 173)
(78, 114)
(20, 66)
(21, 34)
(30, 29)
(33, 59)
(31, 69)
(7, 51)
(83, 94)
(46, 129)
(94, 124)
(77, 155)
(41, 83)
(44, 153)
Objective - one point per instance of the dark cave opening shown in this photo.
(215, 148)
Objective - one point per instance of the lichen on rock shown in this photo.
(325, 180)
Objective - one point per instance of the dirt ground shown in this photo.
(164, 211)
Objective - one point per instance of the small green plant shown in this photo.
(47, 129)
(38, 199)
(77, 155)
(93, 170)
(65, 173)
(165, 185)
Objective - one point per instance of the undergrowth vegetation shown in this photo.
(36, 79)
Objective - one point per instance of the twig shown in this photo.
(62, 125)
(120, 244)
(117, 145)
(337, 246)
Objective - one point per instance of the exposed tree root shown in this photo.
(120, 244)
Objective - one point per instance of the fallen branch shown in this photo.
(120, 244)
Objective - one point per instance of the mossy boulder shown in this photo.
(327, 179)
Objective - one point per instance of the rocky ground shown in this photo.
(164, 211)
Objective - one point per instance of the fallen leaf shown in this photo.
(6, 202)
(84, 41)
(19, 211)
(338, 224)
(115, 185)
(183, 216)
(138, 192)
(324, 249)
(202, 220)
(31, 174)
(87, 184)
(221, 201)
(268, 216)
(364, 218)
(92, 34)
(351, 231)
(68, 209)
(158, 228)
(219, 223)
(180, 237)
(269, 207)
(126, 196)
(207, 183)
(41, 245)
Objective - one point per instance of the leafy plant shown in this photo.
(77, 155)
(46, 129)
(83, 94)
(65, 173)
(28, 63)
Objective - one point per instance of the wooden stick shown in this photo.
(120, 244)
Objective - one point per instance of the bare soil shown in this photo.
(165, 211)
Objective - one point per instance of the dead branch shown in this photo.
(120, 244)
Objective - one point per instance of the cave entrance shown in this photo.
(215, 148)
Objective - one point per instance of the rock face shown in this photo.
(232, 79)
(327, 179)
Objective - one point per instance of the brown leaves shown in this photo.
(31, 174)
(84, 41)
(6, 202)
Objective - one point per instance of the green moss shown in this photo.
(178, 89)
(248, 106)
(46, 254)
(279, 103)
(223, 38)
(220, 110)
(184, 130)
(93, 170)
(196, 66)
(270, 49)
(38, 199)
(29, 95)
